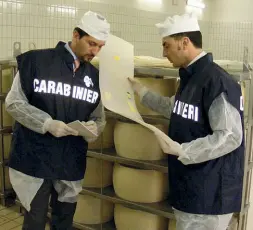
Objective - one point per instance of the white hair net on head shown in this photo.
(178, 24)
(95, 25)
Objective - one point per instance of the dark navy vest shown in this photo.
(213, 187)
(49, 83)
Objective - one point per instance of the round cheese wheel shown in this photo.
(7, 118)
(172, 225)
(7, 145)
(91, 210)
(139, 185)
(165, 87)
(145, 147)
(152, 62)
(7, 179)
(106, 138)
(7, 78)
(130, 219)
(98, 173)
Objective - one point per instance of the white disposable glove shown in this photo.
(58, 128)
(95, 127)
(169, 146)
(92, 126)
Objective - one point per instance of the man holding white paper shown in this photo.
(206, 156)
(53, 88)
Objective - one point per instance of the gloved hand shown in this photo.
(136, 85)
(91, 125)
(169, 146)
(95, 127)
(58, 128)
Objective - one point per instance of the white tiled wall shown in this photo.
(45, 22)
(228, 39)
(231, 28)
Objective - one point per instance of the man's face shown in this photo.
(87, 47)
(175, 50)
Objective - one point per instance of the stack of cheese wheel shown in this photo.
(126, 219)
(106, 138)
(164, 87)
(134, 141)
(91, 210)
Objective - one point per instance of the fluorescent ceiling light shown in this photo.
(153, 2)
(15, 5)
(196, 3)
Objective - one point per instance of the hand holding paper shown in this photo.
(59, 128)
(166, 143)
(169, 147)
(92, 126)
(84, 130)
(136, 86)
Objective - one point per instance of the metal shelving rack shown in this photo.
(7, 194)
(163, 208)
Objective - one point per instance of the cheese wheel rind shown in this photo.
(138, 185)
(130, 219)
(134, 141)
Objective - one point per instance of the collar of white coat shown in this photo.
(202, 54)
(70, 50)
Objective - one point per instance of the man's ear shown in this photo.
(76, 35)
(186, 42)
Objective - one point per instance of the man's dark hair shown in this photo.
(195, 37)
(81, 32)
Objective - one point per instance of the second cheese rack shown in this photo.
(163, 208)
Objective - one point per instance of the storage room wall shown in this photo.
(44, 22)
(231, 28)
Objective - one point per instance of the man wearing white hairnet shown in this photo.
(206, 124)
(52, 88)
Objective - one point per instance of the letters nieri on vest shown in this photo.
(63, 89)
(186, 111)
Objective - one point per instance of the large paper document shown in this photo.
(116, 64)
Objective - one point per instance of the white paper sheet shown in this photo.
(116, 64)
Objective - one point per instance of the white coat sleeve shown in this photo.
(226, 124)
(18, 107)
(157, 103)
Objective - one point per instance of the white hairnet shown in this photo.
(95, 25)
(178, 24)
